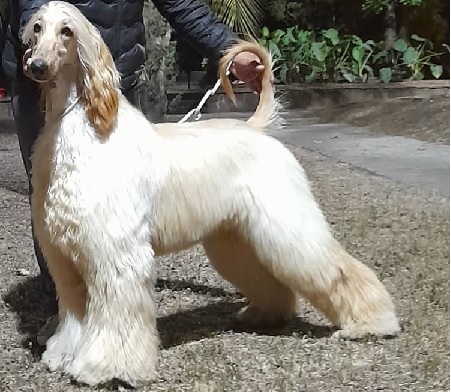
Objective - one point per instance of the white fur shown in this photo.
(105, 206)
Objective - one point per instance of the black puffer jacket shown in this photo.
(121, 26)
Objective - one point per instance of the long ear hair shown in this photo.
(100, 80)
(27, 33)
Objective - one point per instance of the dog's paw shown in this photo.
(61, 347)
(89, 372)
(57, 356)
(358, 333)
(105, 355)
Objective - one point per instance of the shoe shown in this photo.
(47, 331)
(46, 285)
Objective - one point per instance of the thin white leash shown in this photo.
(69, 108)
(196, 111)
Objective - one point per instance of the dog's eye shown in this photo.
(66, 31)
(37, 28)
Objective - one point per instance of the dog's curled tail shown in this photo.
(268, 106)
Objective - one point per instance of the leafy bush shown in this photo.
(302, 55)
(407, 60)
(242, 16)
(377, 6)
(326, 56)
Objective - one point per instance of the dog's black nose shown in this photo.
(38, 68)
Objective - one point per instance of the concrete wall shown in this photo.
(324, 95)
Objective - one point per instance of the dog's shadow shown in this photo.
(33, 308)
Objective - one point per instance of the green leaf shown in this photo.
(265, 32)
(288, 37)
(319, 50)
(283, 73)
(436, 70)
(412, 3)
(385, 74)
(368, 69)
(358, 53)
(274, 49)
(303, 36)
(356, 39)
(400, 45)
(417, 38)
(332, 35)
(242, 16)
(278, 34)
(299, 55)
(311, 77)
(418, 75)
(379, 55)
(410, 55)
(349, 76)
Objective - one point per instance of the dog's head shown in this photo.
(58, 36)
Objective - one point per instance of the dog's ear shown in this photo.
(99, 81)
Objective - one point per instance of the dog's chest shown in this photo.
(60, 162)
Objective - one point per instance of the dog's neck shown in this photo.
(61, 94)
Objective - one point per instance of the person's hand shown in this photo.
(248, 68)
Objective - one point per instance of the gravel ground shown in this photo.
(402, 233)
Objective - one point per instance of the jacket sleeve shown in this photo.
(195, 23)
(20, 13)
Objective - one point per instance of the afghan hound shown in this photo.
(113, 191)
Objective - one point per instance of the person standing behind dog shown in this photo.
(121, 26)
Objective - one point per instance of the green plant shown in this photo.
(302, 55)
(408, 60)
(290, 50)
(354, 63)
(242, 16)
(377, 6)
(170, 69)
(298, 55)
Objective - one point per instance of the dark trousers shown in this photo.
(29, 121)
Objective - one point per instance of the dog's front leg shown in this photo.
(71, 292)
(120, 338)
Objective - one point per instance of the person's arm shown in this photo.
(195, 23)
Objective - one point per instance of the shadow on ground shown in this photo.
(34, 308)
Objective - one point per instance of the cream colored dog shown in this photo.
(112, 191)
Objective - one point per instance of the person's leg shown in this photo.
(28, 119)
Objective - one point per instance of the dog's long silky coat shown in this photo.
(112, 191)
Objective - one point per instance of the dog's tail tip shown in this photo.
(267, 112)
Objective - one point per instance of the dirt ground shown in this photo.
(401, 232)
(418, 118)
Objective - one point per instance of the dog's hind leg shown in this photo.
(290, 235)
(271, 302)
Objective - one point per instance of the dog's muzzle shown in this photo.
(36, 69)
(39, 68)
